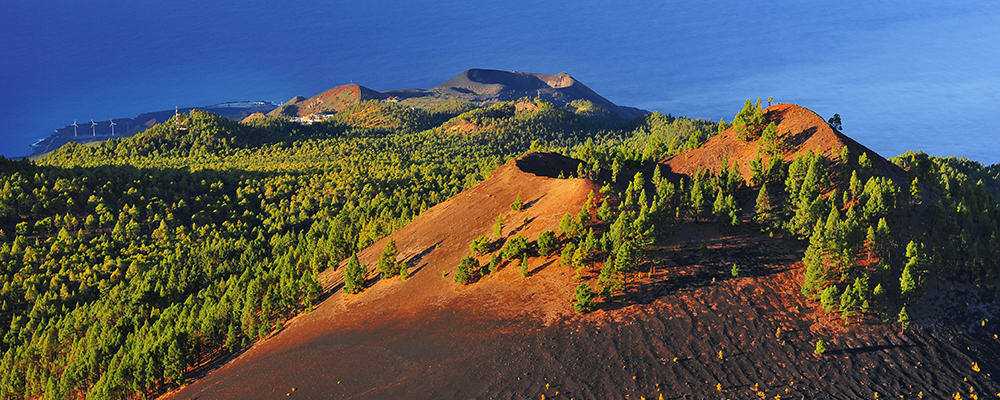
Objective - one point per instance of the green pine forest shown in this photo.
(129, 262)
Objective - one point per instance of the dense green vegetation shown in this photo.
(129, 262)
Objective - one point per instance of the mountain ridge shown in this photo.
(477, 86)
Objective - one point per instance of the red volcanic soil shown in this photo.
(427, 315)
(335, 99)
(507, 336)
(799, 128)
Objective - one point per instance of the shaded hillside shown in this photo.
(126, 127)
(800, 130)
(333, 100)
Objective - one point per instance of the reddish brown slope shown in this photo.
(349, 337)
(436, 241)
(800, 128)
(332, 100)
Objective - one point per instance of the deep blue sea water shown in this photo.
(903, 75)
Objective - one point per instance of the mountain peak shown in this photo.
(490, 85)
(800, 130)
(335, 99)
(476, 85)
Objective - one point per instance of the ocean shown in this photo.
(915, 75)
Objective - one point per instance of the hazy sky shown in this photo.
(906, 75)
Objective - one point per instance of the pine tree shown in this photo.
(465, 274)
(904, 318)
(627, 256)
(590, 241)
(869, 243)
(830, 298)
(907, 286)
(878, 295)
(763, 211)
(387, 262)
(820, 348)
(616, 167)
(604, 212)
(583, 298)
(850, 300)
(855, 186)
(608, 280)
(404, 272)
(547, 243)
(834, 122)
(580, 257)
(735, 213)
(719, 206)
(915, 191)
(518, 205)
(583, 217)
(865, 163)
(566, 257)
(770, 144)
(882, 237)
(748, 121)
(758, 175)
(699, 195)
(354, 276)
(915, 261)
(480, 245)
(498, 227)
(812, 183)
(815, 276)
(524, 265)
(494, 263)
(568, 226)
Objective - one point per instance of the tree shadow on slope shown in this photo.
(414, 260)
(794, 141)
(531, 203)
(540, 268)
(702, 261)
(524, 224)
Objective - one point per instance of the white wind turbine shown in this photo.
(74, 128)
(93, 127)
(112, 127)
